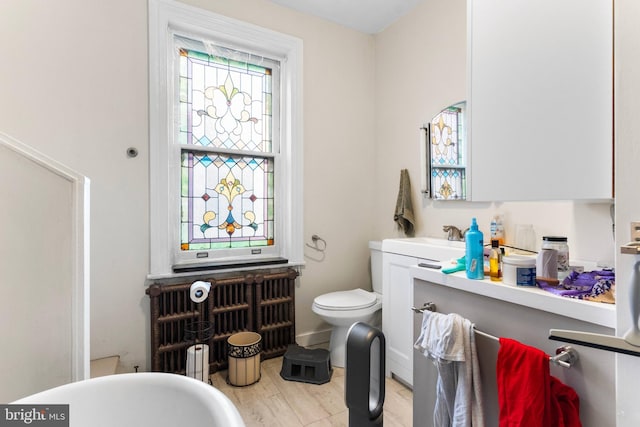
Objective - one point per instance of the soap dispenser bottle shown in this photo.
(474, 253)
(495, 261)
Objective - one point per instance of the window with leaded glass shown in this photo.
(225, 142)
(227, 149)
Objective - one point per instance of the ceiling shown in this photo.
(368, 16)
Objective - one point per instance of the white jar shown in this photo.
(559, 243)
(519, 270)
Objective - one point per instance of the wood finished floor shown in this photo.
(275, 402)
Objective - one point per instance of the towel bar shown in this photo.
(427, 306)
(565, 356)
(315, 239)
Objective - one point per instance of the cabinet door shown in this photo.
(540, 99)
(396, 315)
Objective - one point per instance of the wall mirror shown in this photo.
(444, 154)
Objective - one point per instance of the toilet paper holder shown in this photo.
(199, 291)
(199, 333)
(197, 358)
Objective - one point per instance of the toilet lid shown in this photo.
(346, 300)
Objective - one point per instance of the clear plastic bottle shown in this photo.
(495, 261)
(474, 252)
(559, 243)
(497, 228)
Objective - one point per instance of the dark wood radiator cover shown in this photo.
(258, 301)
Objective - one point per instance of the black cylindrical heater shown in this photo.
(364, 375)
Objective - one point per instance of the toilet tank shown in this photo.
(375, 249)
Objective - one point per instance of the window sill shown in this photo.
(204, 271)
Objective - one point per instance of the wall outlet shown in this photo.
(635, 231)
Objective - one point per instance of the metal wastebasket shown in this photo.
(243, 350)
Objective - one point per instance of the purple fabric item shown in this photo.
(581, 285)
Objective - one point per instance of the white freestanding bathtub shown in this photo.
(141, 400)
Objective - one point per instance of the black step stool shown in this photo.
(307, 366)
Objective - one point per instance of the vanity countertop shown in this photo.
(532, 297)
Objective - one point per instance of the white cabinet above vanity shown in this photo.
(540, 104)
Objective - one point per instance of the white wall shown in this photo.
(436, 83)
(420, 69)
(74, 86)
(34, 277)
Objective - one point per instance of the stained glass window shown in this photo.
(227, 160)
(225, 143)
(446, 145)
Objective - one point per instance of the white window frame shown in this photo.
(167, 18)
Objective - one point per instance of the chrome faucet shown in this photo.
(454, 233)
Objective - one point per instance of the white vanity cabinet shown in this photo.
(540, 100)
(397, 297)
(398, 257)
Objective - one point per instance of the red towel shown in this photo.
(528, 395)
(565, 405)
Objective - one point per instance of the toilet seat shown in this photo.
(346, 300)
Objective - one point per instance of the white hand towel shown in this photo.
(448, 341)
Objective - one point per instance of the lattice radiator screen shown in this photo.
(257, 301)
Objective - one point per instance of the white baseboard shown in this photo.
(313, 338)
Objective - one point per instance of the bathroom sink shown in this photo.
(425, 247)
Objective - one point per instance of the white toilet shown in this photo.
(344, 308)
